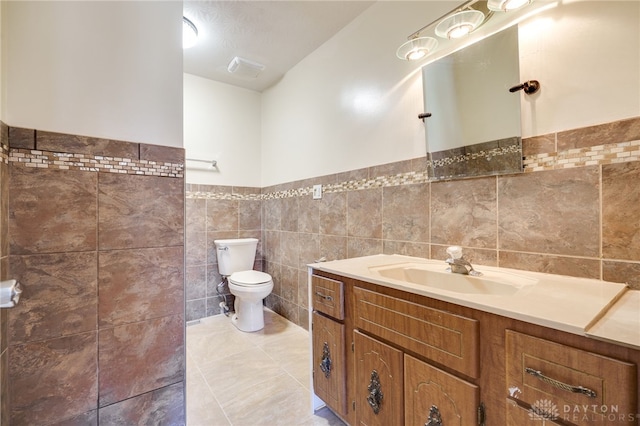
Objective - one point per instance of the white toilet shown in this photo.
(235, 262)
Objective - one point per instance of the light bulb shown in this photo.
(514, 4)
(459, 24)
(459, 31)
(417, 48)
(414, 55)
(506, 5)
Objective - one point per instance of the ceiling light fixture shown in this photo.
(416, 48)
(189, 33)
(459, 24)
(506, 5)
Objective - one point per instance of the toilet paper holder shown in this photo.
(10, 291)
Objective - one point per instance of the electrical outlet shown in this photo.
(317, 192)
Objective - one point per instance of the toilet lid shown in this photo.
(249, 278)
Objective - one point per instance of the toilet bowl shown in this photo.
(249, 288)
(235, 260)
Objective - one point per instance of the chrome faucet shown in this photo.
(458, 264)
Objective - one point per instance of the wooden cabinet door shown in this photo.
(379, 383)
(432, 394)
(329, 380)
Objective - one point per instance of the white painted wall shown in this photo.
(351, 103)
(110, 69)
(3, 74)
(586, 55)
(222, 123)
(2, 63)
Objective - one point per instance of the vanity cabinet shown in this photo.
(421, 361)
(328, 343)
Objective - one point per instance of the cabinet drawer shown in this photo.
(328, 296)
(425, 387)
(586, 388)
(443, 337)
(329, 379)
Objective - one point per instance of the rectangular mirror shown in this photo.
(474, 128)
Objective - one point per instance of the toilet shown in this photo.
(235, 263)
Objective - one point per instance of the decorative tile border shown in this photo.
(470, 156)
(93, 163)
(581, 157)
(498, 157)
(352, 185)
(200, 195)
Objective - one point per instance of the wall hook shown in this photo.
(530, 87)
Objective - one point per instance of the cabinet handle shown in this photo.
(325, 362)
(375, 393)
(324, 296)
(559, 384)
(435, 419)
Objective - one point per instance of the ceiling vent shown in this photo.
(244, 68)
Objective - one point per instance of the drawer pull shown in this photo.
(324, 296)
(560, 385)
(375, 393)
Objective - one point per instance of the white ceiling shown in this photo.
(277, 34)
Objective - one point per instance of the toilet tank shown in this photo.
(235, 255)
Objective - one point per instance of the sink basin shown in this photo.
(436, 276)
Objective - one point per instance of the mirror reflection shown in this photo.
(474, 127)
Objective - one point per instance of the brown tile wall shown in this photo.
(216, 212)
(4, 270)
(99, 331)
(568, 217)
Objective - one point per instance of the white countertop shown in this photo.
(621, 323)
(563, 303)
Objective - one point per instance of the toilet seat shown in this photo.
(249, 278)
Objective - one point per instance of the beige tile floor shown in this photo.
(250, 379)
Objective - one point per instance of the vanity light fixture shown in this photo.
(416, 48)
(456, 24)
(506, 5)
(189, 33)
(459, 24)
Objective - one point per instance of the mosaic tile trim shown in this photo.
(4, 153)
(581, 157)
(488, 154)
(378, 182)
(93, 163)
(222, 196)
